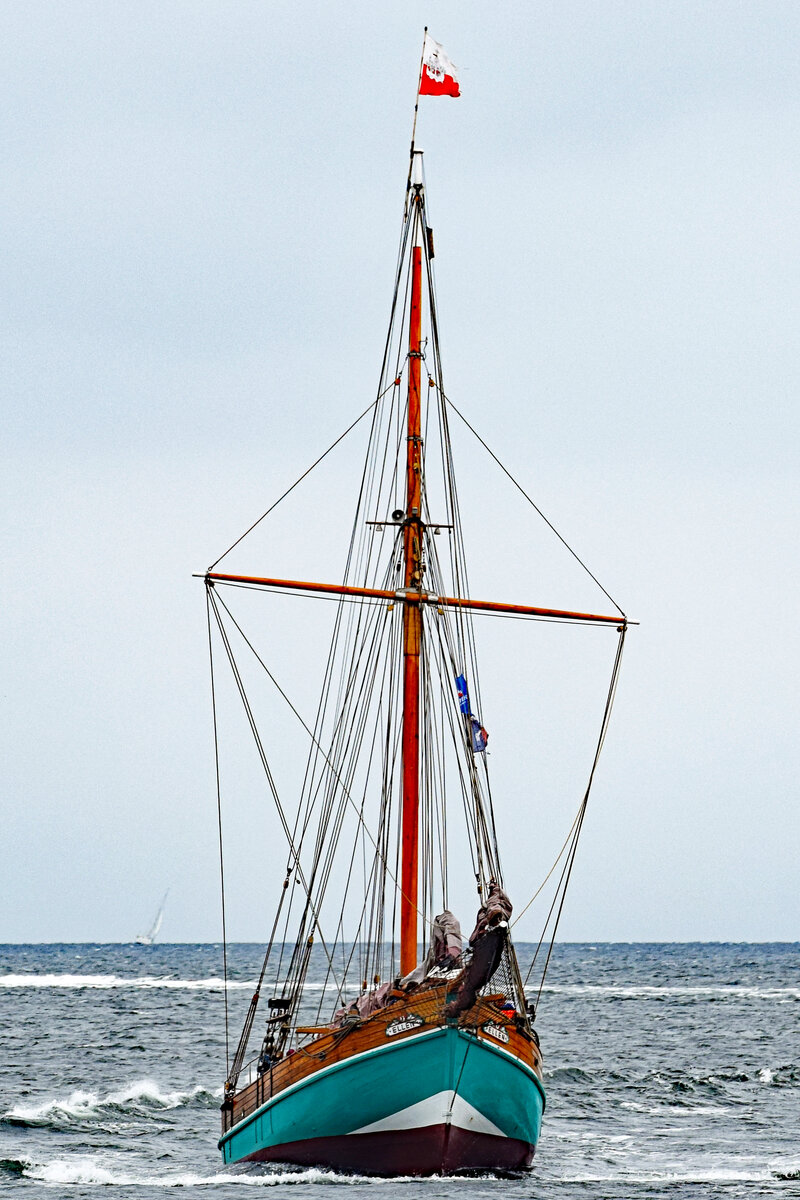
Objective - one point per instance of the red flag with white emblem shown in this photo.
(439, 76)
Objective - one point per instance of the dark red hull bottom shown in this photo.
(434, 1150)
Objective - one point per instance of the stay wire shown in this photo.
(219, 826)
(612, 689)
(268, 773)
(317, 744)
(299, 480)
(463, 620)
(532, 503)
(556, 861)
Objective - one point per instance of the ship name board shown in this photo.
(403, 1024)
(495, 1031)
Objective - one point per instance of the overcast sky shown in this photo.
(200, 211)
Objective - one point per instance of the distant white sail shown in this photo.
(147, 939)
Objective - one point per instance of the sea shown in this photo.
(671, 1071)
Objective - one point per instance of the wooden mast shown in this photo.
(412, 613)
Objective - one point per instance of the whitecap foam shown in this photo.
(90, 1172)
(74, 1171)
(81, 1105)
(700, 1175)
(648, 991)
(584, 1135)
(684, 1110)
(213, 984)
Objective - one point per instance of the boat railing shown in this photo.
(249, 1098)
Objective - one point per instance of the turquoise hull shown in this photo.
(439, 1101)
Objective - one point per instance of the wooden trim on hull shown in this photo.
(434, 1150)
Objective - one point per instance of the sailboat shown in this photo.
(147, 939)
(392, 1044)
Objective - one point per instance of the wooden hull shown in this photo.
(428, 1099)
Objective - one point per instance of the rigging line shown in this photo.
(482, 805)
(533, 505)
(360, 732)
(458, 556)
(219, 825)
(365, 488)
(387, 772)
(603, 730)
(315, 904)
(577, 823)
(467, 793)
(379, 856)
(464, 623)
(414, 126)
(558, 899)
(265, 764)
(368, 600)
(437, 768)
(465, 761)
(351, 690)
(353, 743)
(543, 884)
(553, 903)
(317, 744)
(366, 548)
(311, 789)
(576, 826)
(341, 744)
(352, 636)
(247, 1029)
(272, 507)
(458, 1081)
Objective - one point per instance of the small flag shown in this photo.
(439, 75)
(479, 736)
(463, 695)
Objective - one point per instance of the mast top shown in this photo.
(416, 169)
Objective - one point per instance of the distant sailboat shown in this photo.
(147, 939)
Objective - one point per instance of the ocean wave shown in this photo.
(699, 1175)
(685, 1110)
(140, 1095)
(569, 1075)
(14, 1166)
(655, 991)
(89, 1172)
(596, 1139)
(213, 984)
(684, 1089)
(779, 1076)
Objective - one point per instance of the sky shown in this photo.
(200, 206)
